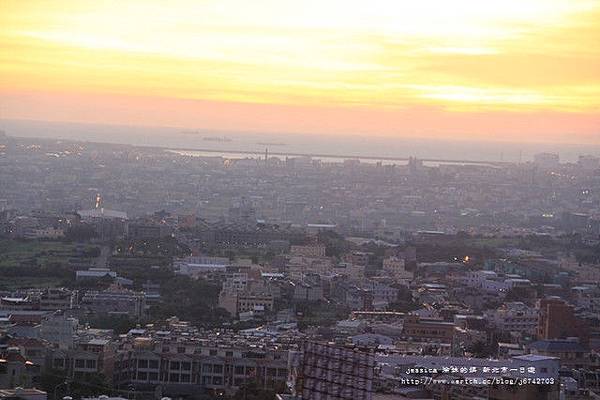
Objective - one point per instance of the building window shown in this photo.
(142, 376)
(174, 378)
(174, 364)
(79, 363)
(153, 364)
(142, 363)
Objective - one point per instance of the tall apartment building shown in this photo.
(328, 372)
(557, 320)
(240, 295)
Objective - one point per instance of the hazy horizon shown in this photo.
(515, 70)
(304, 143)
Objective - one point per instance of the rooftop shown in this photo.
(102, 213)
(557, 346)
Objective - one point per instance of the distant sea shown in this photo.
(346, 145)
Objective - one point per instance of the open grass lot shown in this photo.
(14, 253)
(546, 245)
(26, 282)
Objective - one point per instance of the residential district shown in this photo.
(141, 273)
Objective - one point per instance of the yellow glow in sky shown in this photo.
(512, 58)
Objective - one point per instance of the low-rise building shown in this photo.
(514, 317)
(115, 301)
(310, 250)
(571, 353)
(428, 329)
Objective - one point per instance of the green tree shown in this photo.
(192, 300)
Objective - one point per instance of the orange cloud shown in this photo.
(466, 68)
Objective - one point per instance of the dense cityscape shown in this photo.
(144, 273)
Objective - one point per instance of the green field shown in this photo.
(26, 282)
(493, 242)
(14, 253)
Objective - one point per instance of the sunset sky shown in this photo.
(503, 70)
